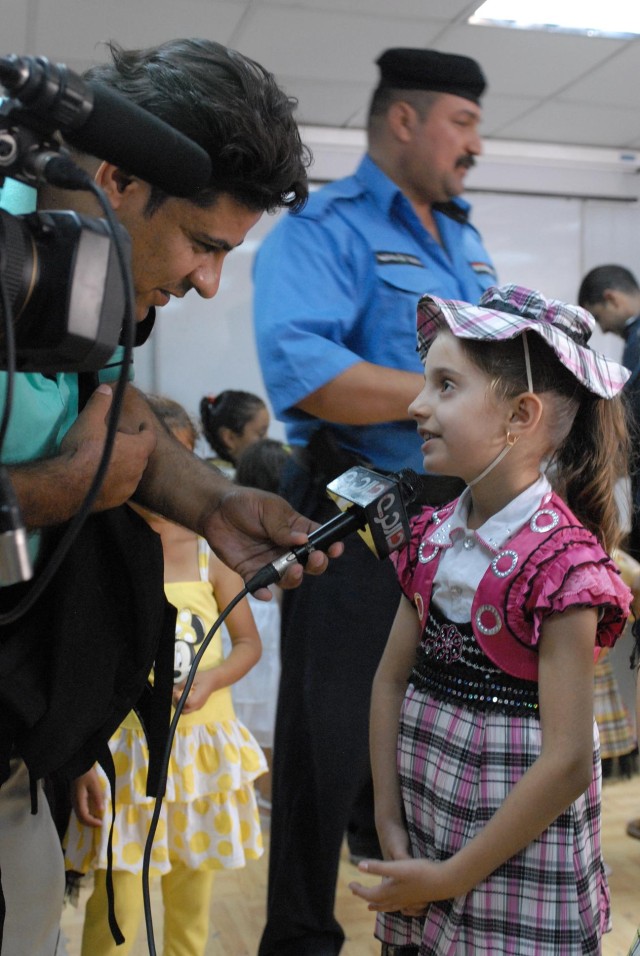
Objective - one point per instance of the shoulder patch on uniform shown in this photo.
(483, 268)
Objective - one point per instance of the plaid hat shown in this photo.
(416, 69)
(507, 311)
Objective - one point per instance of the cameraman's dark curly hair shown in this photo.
(228, 104)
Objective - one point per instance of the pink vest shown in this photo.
(523, 582)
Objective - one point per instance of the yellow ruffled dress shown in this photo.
(209, 817)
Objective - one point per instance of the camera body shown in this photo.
(64, 288)
(62, 282)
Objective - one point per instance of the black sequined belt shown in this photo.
(452, 667)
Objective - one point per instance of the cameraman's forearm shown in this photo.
(179, 485)
(175, 482)
(49, 491)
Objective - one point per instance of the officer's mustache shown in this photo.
(466, 162)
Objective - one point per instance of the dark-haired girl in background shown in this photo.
(231, 421)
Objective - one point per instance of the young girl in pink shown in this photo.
(484, 748)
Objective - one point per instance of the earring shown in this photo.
(511, 439)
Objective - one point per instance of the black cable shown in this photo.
(164, 767)
(10, 348)
(83, 512)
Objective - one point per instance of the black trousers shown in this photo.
(334, 629)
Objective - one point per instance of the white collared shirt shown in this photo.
(466, 554)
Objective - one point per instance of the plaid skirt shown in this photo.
(456, 767)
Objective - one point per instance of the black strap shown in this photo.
(389, 950)
(144, 328)
(87, 384)
(105, 759)
(634, 660)
(452, 210)
(153, 706)
(3, 910)
(33, 791)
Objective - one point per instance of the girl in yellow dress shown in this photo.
(209, 819)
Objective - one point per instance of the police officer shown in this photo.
(336, 288)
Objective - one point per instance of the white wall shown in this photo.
(201, 346)
(545, 242)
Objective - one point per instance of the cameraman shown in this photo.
(233, 108)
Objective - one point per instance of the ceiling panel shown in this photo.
(547, 87)
(340, 47)
(75, 30)
(333, 103)
(576, 123)
(499, 111)
(525, 62)
(443, 10)
(609, 83)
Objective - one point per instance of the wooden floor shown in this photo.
(237, 910)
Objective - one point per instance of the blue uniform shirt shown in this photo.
(339, 283)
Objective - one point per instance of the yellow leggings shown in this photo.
(186, 895)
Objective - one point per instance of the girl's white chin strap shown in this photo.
(511, 439)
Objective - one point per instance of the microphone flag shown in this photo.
(380, 498)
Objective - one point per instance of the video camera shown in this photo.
(66, 290)
(62, 284)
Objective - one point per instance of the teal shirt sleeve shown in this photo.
(16, 197)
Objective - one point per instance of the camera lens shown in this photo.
(18, 265)
(65, 289)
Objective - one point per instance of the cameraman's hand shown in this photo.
(251, 528)
(87, 799)
(52, 490)
(83, 445)
(245, 527)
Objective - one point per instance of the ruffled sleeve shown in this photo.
(405, 560)
(570, 571)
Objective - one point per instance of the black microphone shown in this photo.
(99, 121)
(370, 503)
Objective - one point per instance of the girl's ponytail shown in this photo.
(589, 463)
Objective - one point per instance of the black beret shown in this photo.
(416, 69)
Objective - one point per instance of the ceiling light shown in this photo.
(616, 18)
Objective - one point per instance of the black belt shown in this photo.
(452, 667)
